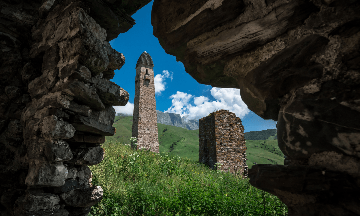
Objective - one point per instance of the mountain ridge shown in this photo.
(176, 120)
(173, 119)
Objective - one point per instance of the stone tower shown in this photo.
(144, 126)
(221, 140)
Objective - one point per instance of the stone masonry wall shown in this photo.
(144, 126)
(221, 140)
(56, 106)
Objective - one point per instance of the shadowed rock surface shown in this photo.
(56, 101)
(296, 62)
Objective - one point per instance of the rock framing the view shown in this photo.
(296, 62)
(144, 126)
(56, 104)
(221, 140)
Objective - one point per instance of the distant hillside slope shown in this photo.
(177, 141)
(173, 119)
(176, 120)
(261, 135)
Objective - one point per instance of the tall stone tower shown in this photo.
(144, 126)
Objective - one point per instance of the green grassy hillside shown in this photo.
(176, 141)
(261, 135)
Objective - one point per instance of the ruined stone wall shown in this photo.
(221, 140)
(144, 126)
(56, 106)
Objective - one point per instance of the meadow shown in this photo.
(145, 183)
(176, 141)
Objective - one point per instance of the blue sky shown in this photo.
(175, 90)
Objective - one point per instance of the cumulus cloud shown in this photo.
(159, 81)
(128, 109)
(226, 98)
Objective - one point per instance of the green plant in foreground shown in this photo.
(140, 182)
(133, 141)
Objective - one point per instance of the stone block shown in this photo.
(70, 184)
(117, 20)
(42, 85)
(58, 151)
(84, 93)
(94, 139)
(87, 138)
(116, 59)
(55, 99)
(56, 128)
(71, 174)
(110, 93)
(79, 72)
(88, 156)
(46, 174)
(109, 74)
(58, 113)
(83, 197)
(84, 175)
(79, 109)
(100, 122)
(39, 201)
(301, 186)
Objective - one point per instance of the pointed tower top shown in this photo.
(145, 61)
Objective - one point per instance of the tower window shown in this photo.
(146, 82)
(147, 71)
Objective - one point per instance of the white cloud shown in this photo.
(127, 109)
(200, 100)
(226, 98)
(159, 81)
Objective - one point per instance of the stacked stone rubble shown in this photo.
(56, 106)
(221, 140)
(144, 126)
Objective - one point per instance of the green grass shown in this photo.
(145, 183)
(263, 152)
(176, 141)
